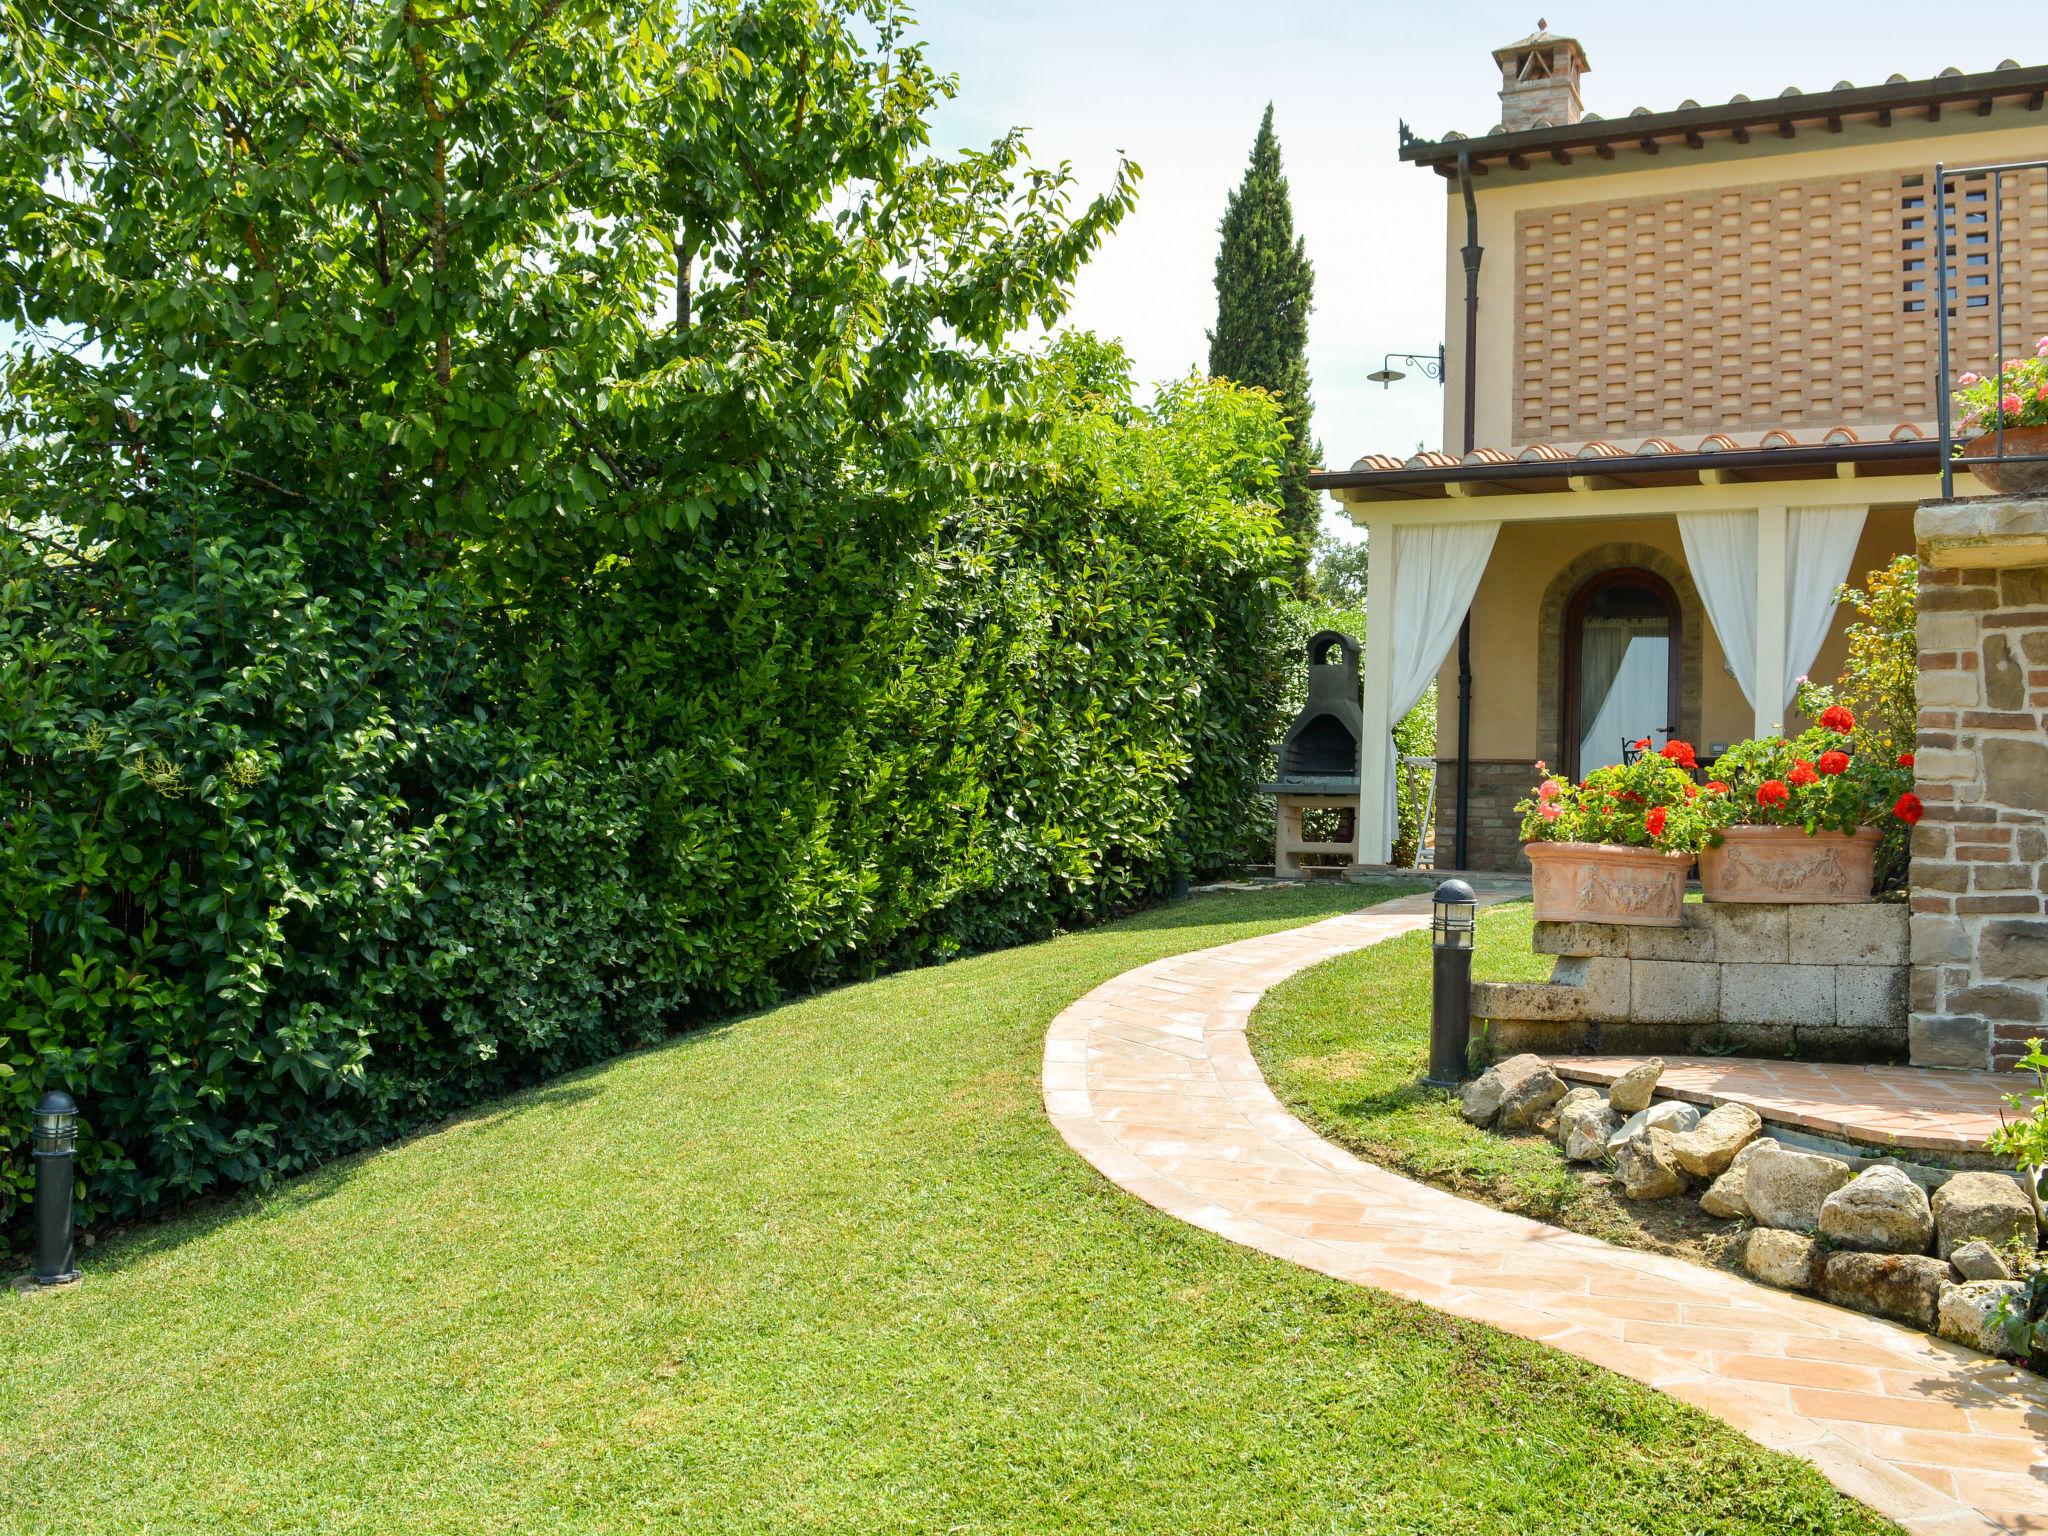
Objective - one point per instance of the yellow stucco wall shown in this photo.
(1506, 655)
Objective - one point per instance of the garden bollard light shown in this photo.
(1453, 911)
(52, 1143)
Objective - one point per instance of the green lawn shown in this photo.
(1345, 1046)
(823, 1269)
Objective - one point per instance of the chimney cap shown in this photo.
(1543, 37)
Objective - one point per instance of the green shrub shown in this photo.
(288, 873)
(524, 528)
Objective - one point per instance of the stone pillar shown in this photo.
(1980, 856)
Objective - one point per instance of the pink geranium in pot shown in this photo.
(1616, 848)
(2006, 412)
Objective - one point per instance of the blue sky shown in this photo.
(1179, 87)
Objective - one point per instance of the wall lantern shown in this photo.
(1430, 364)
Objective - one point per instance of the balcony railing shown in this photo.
(1973, 206)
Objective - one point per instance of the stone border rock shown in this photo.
(1871, 1240)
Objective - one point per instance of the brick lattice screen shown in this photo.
(1746, 308)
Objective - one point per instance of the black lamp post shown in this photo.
(1429, 364)
(1453, 917)
(53, 1141)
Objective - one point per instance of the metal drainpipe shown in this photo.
(1472, 253)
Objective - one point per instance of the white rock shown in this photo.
(1585, 1127)
(1970, 1314)
(1480, 1099)
(1708, 1148)
(1878, 1211)
(1631, 1091)
(1647, 1169)
(1978, 1260)
(1991, 1206)
(1528, 1101)
(1670, 1116)
(1784, 1188)
(1724, 1198)
(1781, 1258)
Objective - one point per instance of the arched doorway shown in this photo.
(1624, 635)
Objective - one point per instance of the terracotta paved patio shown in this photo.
(1150, 1078)
(1953, 1112)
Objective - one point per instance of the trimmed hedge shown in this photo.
(306, 844)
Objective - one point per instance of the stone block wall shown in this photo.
(1826, 983)
(1980, 855)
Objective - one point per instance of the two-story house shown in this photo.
(1690, 389)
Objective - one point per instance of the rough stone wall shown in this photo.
(1493, 830)
(1980, 856)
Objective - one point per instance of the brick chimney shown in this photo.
(1539, 81)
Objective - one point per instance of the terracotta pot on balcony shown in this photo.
(1786, 864)
(2011, 479)
(1605, 883)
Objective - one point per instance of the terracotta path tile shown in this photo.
(1150, 1078)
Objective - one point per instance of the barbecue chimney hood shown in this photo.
(1319, 753)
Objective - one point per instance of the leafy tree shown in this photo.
(1338, 574)
(1265, 288)
(522, 525)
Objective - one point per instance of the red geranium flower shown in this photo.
(1772, 792)
(1905, 759)
(1909, 809)
(1802, 772)
(1833, 762)
(1717, 786)
(1680, 752)
(1837, 718)
(1692, 791)
(1655, 821)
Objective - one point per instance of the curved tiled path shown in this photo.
(1150, 1078)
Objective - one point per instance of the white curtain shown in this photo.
(1603, 646)
(1721, 549)
(1634, 699)
(1819, 544)
(1437, 567)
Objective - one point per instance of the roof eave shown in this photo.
(1632, 471)
(1442, 154)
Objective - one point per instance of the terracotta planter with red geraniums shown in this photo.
(2005, 478)
(1606, 883)
(1790, 864)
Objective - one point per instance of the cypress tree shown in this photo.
(1265, 288)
